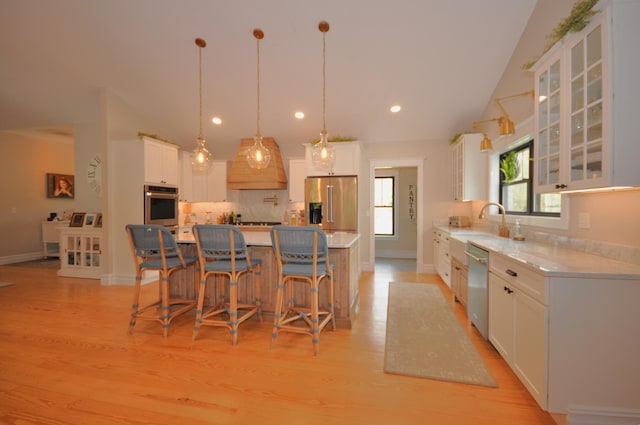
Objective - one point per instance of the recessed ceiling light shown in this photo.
(216, 120)
(395, 108)
(299, 115)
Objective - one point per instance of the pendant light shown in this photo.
(201, 156)
(323, 156)
(258, 156)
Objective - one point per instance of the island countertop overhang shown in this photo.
(335, 240)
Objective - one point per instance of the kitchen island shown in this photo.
(343, 253)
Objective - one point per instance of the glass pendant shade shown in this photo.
(323, 155)
(258, 156)
(201, 157)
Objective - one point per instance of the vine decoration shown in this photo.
(581, 14)
(335, 139)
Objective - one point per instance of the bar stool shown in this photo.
(222, 251)
(302, 254)
(154, 248)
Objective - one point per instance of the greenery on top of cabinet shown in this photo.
(581, 12)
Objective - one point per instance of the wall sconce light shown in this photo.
(504, 122)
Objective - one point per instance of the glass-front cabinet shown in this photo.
(587, 89)
(81, 252)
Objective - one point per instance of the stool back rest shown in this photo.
(220, 242)
(299, 244)
(152, 242)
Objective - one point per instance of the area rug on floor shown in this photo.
(426, 340)
(5, 284)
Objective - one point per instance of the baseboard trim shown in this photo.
(20, 258)
(589, 415)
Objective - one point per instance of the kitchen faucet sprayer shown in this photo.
(503, 230)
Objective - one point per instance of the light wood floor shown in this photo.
(66, 358)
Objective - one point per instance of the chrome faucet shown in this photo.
(503, 230)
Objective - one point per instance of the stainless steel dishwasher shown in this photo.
(478, 294)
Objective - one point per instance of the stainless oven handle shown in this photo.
(473, 257)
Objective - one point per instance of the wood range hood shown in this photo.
(241, 176)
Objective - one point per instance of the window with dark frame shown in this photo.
(384, 207)
(516, 185)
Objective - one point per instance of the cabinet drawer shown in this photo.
(519, 275)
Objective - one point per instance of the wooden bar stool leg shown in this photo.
(233, 308)
(277, 314)
(332, 302)
(315, 320)
(200, 308)
(165, 315)
(136, 302)
(258, 289)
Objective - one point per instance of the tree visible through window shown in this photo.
(384, 206)
(516, 185)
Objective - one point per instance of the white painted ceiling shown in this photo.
(440, 60)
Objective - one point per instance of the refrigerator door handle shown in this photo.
(329, 203)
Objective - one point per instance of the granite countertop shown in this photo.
(552, 261)
(335, 240)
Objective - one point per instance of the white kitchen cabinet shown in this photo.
(441, 255)
(347, 160)
(518, 322)
(459, 281)
(297, 174)
(160, 162)
(185, 184)
(469, 168)
(210, 186)
(51, 237)
(587, 90)
(81, 252)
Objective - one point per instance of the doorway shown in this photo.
(416, 199)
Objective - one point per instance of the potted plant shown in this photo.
(509, 167)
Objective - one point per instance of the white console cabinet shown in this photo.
(81, 252)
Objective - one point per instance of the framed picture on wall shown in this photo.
(60, 186)
(77, 219)
(98, 222)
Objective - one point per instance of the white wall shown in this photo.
(24, 163)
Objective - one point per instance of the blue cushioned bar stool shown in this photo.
(302, 255)
(222, 251)
(154, 248)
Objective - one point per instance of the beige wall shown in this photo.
(24, 162)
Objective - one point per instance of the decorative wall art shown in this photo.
(412, 202)
(60, 186)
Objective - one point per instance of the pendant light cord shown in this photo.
(258, 84)
(324, 28)
(324, 83)
(200, 43)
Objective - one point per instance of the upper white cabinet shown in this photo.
(198, 186)
(160, 162)
(588, 94)
(297, 174)
(347, 160)
(469, 167)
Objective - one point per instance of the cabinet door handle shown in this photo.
(561, 186)
(511, 273)
(508, 290)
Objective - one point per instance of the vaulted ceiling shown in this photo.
(439, 60)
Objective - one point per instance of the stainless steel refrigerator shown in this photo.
(332, 203)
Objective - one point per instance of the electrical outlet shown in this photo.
(584, 221)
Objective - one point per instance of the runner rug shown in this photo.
(425, 339)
